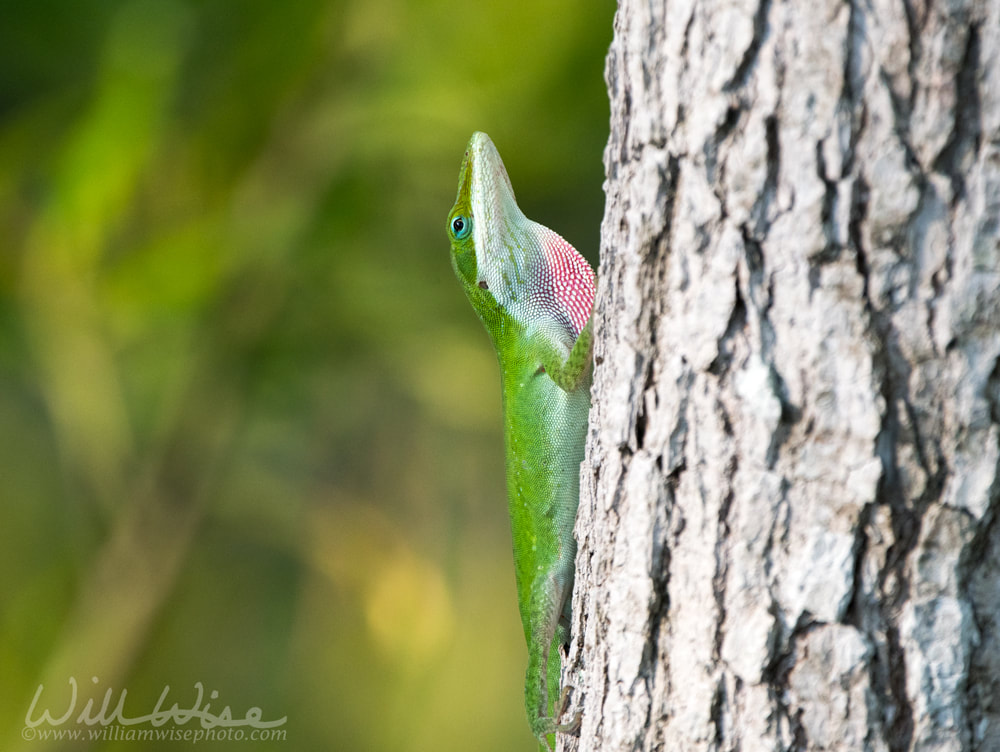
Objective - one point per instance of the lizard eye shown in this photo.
(460, 227)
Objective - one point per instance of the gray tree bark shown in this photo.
(788, 519)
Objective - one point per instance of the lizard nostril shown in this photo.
(483, 285)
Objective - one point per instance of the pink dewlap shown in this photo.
(569, 278)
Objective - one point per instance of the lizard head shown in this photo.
(508, 264)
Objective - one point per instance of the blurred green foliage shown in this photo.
(249, 427)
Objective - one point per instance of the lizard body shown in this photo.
(534, 294)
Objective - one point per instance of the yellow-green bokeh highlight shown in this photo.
(249, 427)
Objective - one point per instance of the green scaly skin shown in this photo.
(533, 293)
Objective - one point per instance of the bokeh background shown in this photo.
(249, 426)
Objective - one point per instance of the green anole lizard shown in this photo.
(534, 293)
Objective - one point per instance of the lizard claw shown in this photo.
(562, 706)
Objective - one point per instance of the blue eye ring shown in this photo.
(460, 226)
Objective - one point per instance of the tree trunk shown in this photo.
(787, 523)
